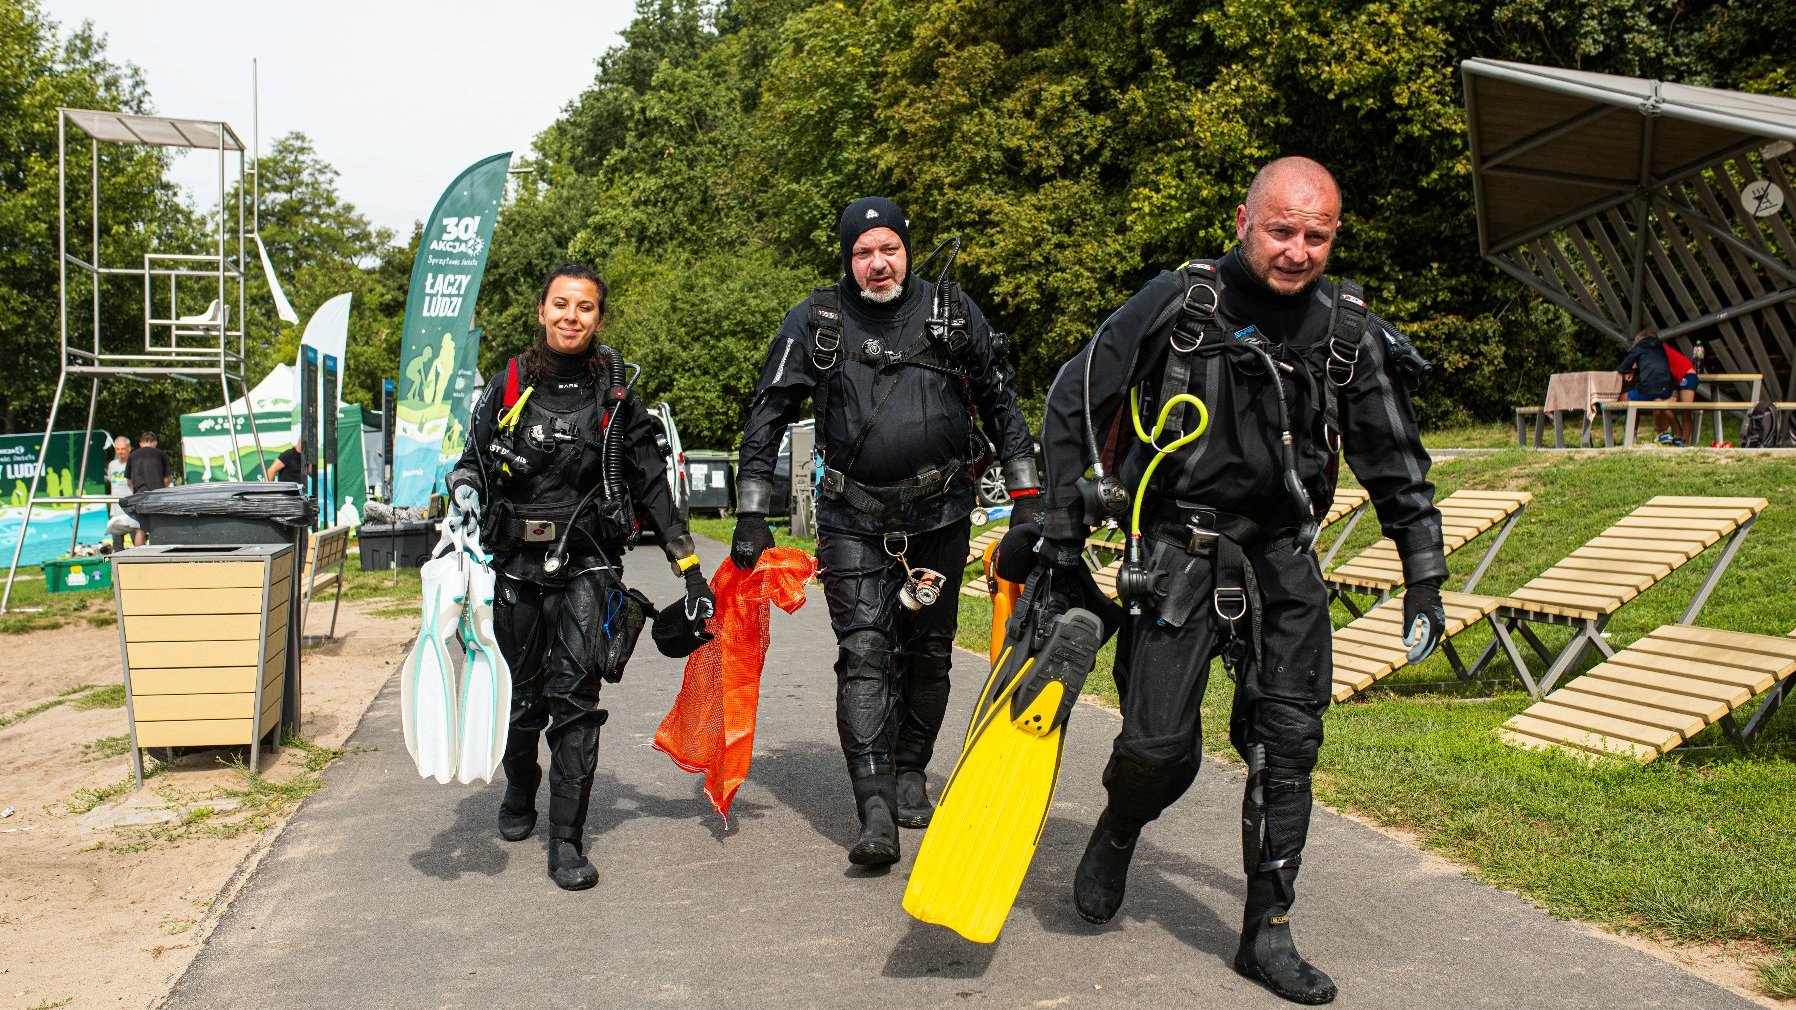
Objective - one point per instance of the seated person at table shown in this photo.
(1685, 378)
(1649, 369)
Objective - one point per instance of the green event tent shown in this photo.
(208, 455)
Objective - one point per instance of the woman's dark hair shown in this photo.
(536, 358)
(578, 271)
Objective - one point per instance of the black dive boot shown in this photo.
(914, 808)
(1103, 871)
(1267, 953)
(875, 799)
(517, 815)
(568, 865)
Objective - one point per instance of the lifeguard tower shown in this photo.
(192, 302)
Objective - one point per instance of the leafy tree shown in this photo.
(139, 211)
(321, 246)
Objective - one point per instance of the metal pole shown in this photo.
(224, 310)
(94, 195)
(1643, 227)
(255, 433)
(93, 400)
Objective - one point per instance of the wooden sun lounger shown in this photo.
(1378, 570)
(1371, 647)
(976, 546)
(1586, 589)
(1659, 692)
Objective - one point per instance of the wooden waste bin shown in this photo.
(203, 639)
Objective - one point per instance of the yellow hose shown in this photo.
(1160, 452)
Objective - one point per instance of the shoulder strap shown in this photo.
(826, 354)
(1199, 320)
(511, 384)
(1346, 326)
(1347, 322)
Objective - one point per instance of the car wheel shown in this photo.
(991, 490)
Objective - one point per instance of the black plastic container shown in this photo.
(396, 545)
(224, 513)
(709, 475)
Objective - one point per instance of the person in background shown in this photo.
(292, 463)
(118, 485)
(148, 469)
(1650, 369)
(1685, 374)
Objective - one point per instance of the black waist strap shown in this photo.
(879, 499)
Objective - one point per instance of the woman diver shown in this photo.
(562, 472)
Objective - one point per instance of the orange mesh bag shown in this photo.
(711, 729)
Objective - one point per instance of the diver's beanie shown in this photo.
(866, 214)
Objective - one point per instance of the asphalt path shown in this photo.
(386, 890)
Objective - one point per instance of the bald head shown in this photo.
(1287, 226)
(1292, 176)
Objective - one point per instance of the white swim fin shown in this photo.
(486, 680)
(428, 702)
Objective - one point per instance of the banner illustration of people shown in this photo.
(439, 332)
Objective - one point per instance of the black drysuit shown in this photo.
(888, 711)
(1235, 468)
(552, 627)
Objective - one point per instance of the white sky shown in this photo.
(398, 97)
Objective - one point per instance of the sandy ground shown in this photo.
(105, 908)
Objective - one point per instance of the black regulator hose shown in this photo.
(611, 463)
(1300, 499)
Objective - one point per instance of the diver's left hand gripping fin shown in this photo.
(1057, 673)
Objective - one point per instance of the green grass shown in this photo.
(110, 696)
(254, 804)
(1778, 977)
(34, 608)
(9, 718)
(106, 747)
(1472, 435)
(403, 584)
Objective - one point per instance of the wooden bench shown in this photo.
(1378, 570)
(1659, 692)
(1632, 409)
(324, 570)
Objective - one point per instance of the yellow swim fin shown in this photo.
(989, 819)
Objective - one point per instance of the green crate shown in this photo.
(74, 574)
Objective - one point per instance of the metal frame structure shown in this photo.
(1620, 200)
(173, 347)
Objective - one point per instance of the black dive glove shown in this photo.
(1061, 554)
(700, 603)
(1424, 618)
(751, 538)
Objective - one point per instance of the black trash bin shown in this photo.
(231, 513)
(708, 474)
